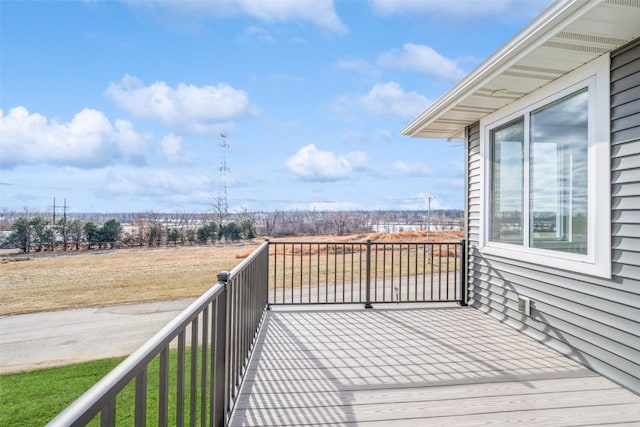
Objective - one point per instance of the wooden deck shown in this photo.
(398, 366)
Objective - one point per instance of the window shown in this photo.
(558, 193)
(507, 177)
(546, 175)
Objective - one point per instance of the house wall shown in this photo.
(592, 320)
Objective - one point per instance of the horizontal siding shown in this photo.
(473, 184)
(629, 175)
(567, 344)
(620, 71)
(592, 320)
(626, 244)
(625, 110)
(627, 122)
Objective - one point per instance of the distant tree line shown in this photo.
(300, 223)
(38, 234)
(33, 231)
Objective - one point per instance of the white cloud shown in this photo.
(384, 99)
(358, 65)
(88, 140)
(332, 206)
(156, 183)
(422, 59)
(421, 202)
(355, 137)
(311, 164)
(411, 169)
(198, 109)
(500, 9)
(171, 148)
(320, 13)
(256, 33)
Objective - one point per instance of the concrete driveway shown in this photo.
(31, 341)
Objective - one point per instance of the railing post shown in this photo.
(267, 275)
(221, 405)
(367, 303)
(463, 273)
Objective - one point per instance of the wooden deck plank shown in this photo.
(271, 398)
(385, 416)
(417, 367)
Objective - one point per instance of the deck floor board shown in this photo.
(418, 366)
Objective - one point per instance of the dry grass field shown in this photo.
(45, 282)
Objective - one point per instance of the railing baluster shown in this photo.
(335, 272)
(463, 272)
(367, 303)
(181, 356)
(293, 254)
(447, 272)
(375, 268)
(326, 273)
(108, 414)
(163, 389)
(203, 367)
(213, 322)
(424, 271)
(431, 267)
(384, 273)
(275, 270)
(194, 372)
(141, 398)
(440, 271)
(344, 248)
(353, 249)
(309, 272)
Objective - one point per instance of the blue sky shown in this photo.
(119, 105)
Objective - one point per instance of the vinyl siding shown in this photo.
(592, 320)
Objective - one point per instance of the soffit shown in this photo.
(566, 36)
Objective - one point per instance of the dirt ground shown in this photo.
(62, 280)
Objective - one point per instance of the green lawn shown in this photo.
(35, 398)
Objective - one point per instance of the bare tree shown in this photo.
(220, 209)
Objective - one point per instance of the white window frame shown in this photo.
(597, 261)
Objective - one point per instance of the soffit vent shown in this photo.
(590, 38)
(538, 69)
(625, 3)
(577, 47)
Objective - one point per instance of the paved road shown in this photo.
(30, 341)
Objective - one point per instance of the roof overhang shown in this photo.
(568, 34)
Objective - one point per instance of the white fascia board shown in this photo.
(548, 24)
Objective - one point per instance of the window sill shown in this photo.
(563, 261)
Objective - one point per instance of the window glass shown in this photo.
(507, 148)
(558, 175)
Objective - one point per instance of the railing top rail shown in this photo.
(292, 242)
(95, 398)
(248, 260)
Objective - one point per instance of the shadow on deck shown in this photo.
(416, 366)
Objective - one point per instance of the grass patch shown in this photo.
(61, 281)
(88, 279)
(35, 398)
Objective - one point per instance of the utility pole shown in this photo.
(429, 199)
(55, 210)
